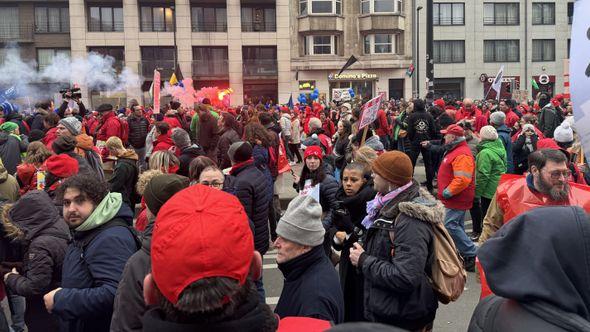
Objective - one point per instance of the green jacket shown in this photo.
(490, 164)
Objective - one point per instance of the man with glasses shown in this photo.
(546, 184)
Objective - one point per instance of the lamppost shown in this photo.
(418, 51)
(173, 8)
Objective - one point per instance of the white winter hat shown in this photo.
(564, 133)
(488, 133)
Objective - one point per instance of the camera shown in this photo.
(71, 93)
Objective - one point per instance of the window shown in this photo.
(321, 45)
(501, 14)
(210, 61)
(117, 53)
(307, 7)
(10, 25)
(257, 18)
(105, 19)
(157, 19)
(52, 19)
(543, 13)
(501, 50)
(259, 60)
(543, 50)
(381, 44)
(448, 13)
(449, 51)
(45, 56)
(381, 6)
(209, 19)
(570, 12)
(161, 57)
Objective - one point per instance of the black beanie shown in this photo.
(63, 144)
(161, 188)
(240, 152)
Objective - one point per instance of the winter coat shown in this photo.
(328, 127)
(208, 136)
(475, 116)
(27, 177)
(311, 288)
(139, 127)
(125, 177)
(9, 188)
(10, 151)
(251, 316)
(38, 118)
(50, 136)
(295, 131)
(83, 166)
(547, 245)
(421, 127)
(163, 143)
(456, 174)
(350, 213)
(45, 236)
(172, 121)
(227, 138)
(381, 124)
(261, 157)
(399, 250)
(549, 119)
(504, 135)
(253, 191)
(92, 269)
(511, 118)
(187, 154)
(109, 126)
(490, 164)
(522, 151)
(285, 123)
(129, 305)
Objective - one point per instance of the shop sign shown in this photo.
(544, 79)
(359, 76)
(306, 85)
(341, 94)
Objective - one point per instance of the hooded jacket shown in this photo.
(92, 268)
(9, 188)
(490, 164)
(397, 289)
(552, 290)
(421, 127)
(187, 154)
(44, 235)
(109, 126)
(10, 151)
(125, 177)
(504, 134)
(227, 138)
(163, 143)
(129, 306)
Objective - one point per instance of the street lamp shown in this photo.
(418, 9)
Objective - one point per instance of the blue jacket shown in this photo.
(92, 268)
(504, 135)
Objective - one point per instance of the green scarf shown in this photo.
(104, 212)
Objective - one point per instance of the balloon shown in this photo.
(351, 92)
(316, 91)
(302, 98)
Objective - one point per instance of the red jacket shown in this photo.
(110, 126)
(172, 121)
(328, 127)
(163, 143)
(50, 136)
(478, 119)
(463, 199)
(383, 129)
(511, 118)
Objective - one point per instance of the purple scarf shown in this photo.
(374, 206)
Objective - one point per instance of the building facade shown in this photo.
(473, 39)
(325, 34)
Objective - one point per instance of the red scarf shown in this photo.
(239, 165)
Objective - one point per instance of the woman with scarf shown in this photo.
(398, 247)
(352, 198)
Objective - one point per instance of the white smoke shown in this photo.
(95, 71)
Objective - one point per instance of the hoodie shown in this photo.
(9, 188)
(10, 151)
(187, 154)
(490, 165)
(504, 133)
(539, 261)
(125, 177)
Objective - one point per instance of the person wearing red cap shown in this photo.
(456, 189)
(549, 117)
(209, 286)
(57, 168)
(102, 243)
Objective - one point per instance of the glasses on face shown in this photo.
(556, 175)
(214, 184)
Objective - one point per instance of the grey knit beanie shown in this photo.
(72, 124)
(498, 118)
(302, 222)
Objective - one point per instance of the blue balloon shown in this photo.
(316, 91)
(351, 93)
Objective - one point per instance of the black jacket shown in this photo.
(37, 121)
(421, 127)
(125, 177)
(251, 316)
(129, 306)
(45, 238)
(538, 265)
(397, 288)
(138, 130)
(311, 288)
(10, 150)
(187, 155)
(549, 119)
(521, 152)
(350, 214)
(252, 190)
(227, 138)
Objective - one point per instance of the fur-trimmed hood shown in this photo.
(424, 207)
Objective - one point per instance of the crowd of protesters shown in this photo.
(131, 219)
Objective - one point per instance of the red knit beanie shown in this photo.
(62, 166)
(313, 151)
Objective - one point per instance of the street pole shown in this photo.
(429, 50)
(418, 83)
(173, 8)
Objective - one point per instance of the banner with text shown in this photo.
(370, 110)
(156, 92)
